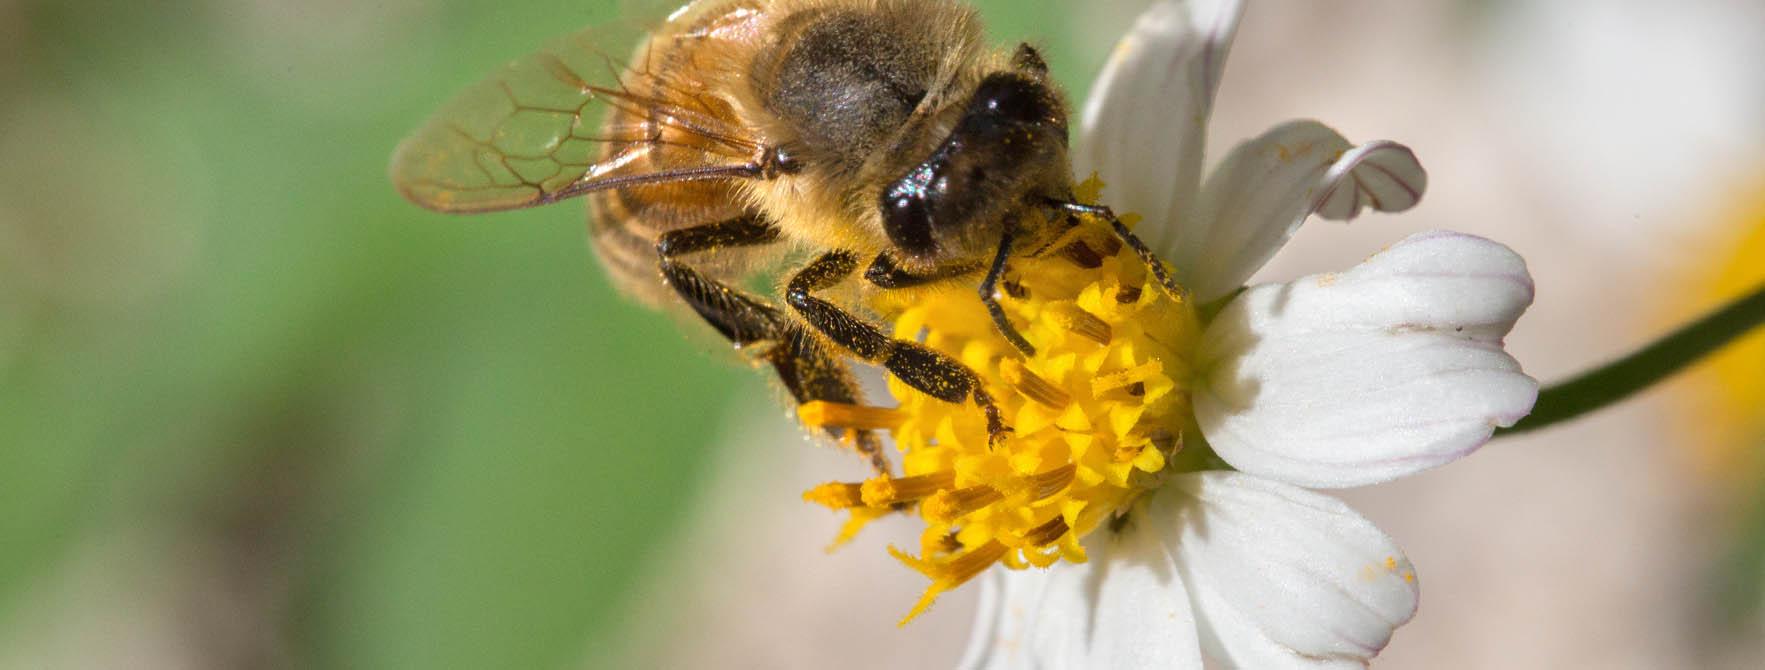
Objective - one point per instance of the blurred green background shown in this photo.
(329, 428)
(258, 411)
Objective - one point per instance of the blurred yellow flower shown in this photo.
(1723, 412)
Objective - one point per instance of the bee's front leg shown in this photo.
(920, 367)
(886, 272)
(990, 297)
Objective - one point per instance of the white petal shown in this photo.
(1144, 127)
(1126, 608)
(985, 639)
(1381, 174)
(1282, 577)
(1393, 367)
(1261, 193)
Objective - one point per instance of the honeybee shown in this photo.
(877, 138)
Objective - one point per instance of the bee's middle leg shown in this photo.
(809, 372)
(920, 367)
(741, 317)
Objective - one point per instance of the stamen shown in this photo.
(1110, 245)
(1085, 324)
(947, 506)
(949, 575)
(1015, 289)
(966, 566)
(1128, 295)
(825, 414)
(1032, 386)
(1124, 378)
(1081, 255)
(888, 491)
(949, 543)
(1047, 533)
(836, 495)
(1045, 484)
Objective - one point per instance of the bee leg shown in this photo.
(811, 373)
(885, 272)
(990, 297)
(1159, 270)
(740, 317)
(918, 366)
(803, 364)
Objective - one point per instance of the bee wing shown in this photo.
(532, 133)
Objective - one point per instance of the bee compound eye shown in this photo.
(1010, 97)
(907, 221)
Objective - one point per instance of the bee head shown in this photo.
(1007, 148)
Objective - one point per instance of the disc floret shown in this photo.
(1096, 413)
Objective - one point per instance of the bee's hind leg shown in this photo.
(802, 363)
(810, 372)
(742, 318)
(918, 366)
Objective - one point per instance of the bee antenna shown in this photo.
(1029, 59)
(1152, 261)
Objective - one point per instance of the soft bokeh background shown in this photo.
(256, 411)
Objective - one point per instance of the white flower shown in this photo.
(1389, 368)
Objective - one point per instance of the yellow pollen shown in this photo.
(1095, 414)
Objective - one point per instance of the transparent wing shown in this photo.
(536, 132)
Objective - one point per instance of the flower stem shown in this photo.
(1618, 379)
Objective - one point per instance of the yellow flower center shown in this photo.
(1095, 414)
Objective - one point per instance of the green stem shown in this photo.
(1619, 379)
